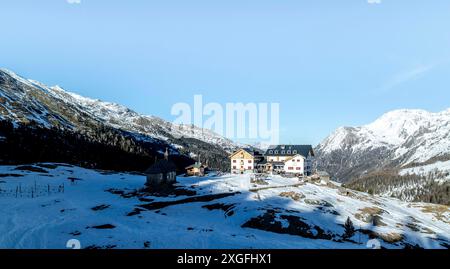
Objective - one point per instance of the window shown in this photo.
(276, 151)
(249, 161)
(283, 152)
(299, 168)
(234, 161)
(295, 152)
(234, 167)
(270, 151)
(289, 152)
(249, 168)
(290, 168)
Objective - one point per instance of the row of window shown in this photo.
(283, 152)
(242, 167)
(249, 161)
(289, 168)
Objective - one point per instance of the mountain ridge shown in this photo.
(406, 136)
(373, 157)
(114, 114)
(31, 103)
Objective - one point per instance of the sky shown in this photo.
(327, 63)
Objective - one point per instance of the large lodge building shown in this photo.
(282, 159)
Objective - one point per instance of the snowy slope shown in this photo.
(26, 100)
(430, 169)
(282, 213)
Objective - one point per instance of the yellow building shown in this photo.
(244, 161)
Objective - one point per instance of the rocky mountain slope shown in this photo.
(26, 102)
(372, 157)
(398, 139)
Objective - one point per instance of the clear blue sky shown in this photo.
(328, 63)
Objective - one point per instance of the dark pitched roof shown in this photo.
(289, 150)
(161, 166)
(252, 151)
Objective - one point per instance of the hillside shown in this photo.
(53, 112)
(46, 205)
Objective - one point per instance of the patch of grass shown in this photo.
(440, 212)
(318, 202)
(293, 195)
(391, 238)
(370, 214)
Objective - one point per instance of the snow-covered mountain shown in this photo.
(403, 154)
(24, 100)
(397, 139)
(113, 210)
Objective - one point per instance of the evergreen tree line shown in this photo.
(100, 147)
(216, 157)
(412, 187)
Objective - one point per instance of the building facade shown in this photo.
(281, 159)
(295, 159)
(245, 161)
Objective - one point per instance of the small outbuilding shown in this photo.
(323, 175)
(162, 173)
(197, 169)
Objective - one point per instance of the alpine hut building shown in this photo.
(162, 173)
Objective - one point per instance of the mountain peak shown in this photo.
(399, 137)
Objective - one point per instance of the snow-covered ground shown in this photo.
(47, 207)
